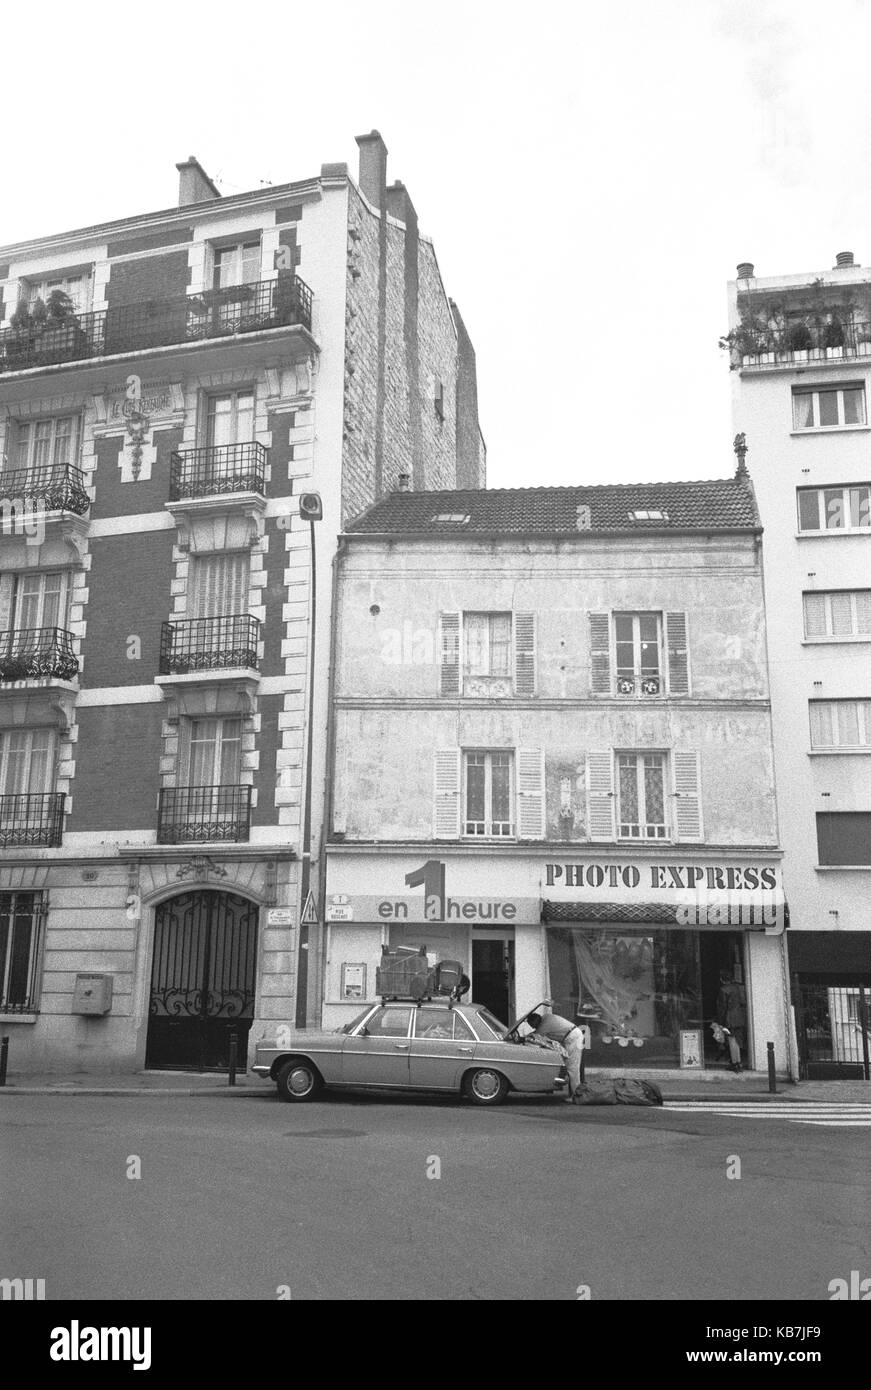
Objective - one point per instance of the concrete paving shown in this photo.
(725, 1085)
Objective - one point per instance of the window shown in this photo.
(637, 653)
(488, 1022)
(840, 723)
(78, 287)
(237, 265)
(448, 518)
(219, 585)
(817, 408)
(26, 762)
(823, 509)
(40, 600)
(641, 796)
(230, 419)
(487, 643)
(215, 752)
(21, 917)
(47, 446)
(440, 1024)
(388, 1023)
(844, 837)
(648, 516)
(841, 613)
(488, 794)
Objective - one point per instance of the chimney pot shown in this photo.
(404, 482)
(745, 270)
(843, 259)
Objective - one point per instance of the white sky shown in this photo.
(591, 174)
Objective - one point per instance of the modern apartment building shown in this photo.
(800, 348)
(551, 759)
(194, 401)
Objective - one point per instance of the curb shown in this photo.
(134, 1090)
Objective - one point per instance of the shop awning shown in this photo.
(771, 917)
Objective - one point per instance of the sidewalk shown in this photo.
(710, 1086)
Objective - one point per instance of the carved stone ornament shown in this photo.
(200, 866)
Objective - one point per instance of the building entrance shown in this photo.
(493, 976)
(202, 981)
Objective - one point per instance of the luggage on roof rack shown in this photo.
(405, 973)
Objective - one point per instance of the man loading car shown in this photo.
(568, 1035)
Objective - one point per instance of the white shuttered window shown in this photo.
(220, 585)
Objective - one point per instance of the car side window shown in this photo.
(461, 1027)
(433, 1023)
(388, 1023)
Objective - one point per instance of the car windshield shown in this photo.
(349, 1027)
(491, 1023)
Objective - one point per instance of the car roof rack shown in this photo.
(446, 999)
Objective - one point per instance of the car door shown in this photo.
(442, 1046)
(376, 1054)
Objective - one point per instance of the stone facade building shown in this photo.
(801, 358)
(551, 759)
(182, 393)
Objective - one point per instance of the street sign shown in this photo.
(309, 916)
(280, 917)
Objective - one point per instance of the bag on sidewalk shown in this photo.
(624, 1090)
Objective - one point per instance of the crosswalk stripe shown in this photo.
(840, 1114)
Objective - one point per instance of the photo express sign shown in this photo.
(743, 896)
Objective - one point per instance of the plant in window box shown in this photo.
(12, 668)
(800, 341)
(746, 342)
(833, 337)
(61, 335)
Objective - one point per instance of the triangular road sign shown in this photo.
(309, 916)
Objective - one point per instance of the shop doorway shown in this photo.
(493, 976)
(724, 997)
(202, 981)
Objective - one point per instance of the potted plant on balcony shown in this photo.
(800, 341)
(61, 336)
(833, 337)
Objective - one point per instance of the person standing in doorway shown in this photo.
(732, 1015)
(569, 1036)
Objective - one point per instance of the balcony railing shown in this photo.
(159, 323)
(216, 471)
(31, 819)
(31, 653)
(209, 644)
(49, 488)
(758, 344)
(638, 685)
(194, 815)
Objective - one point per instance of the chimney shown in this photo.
(399, 205)
(404, 482)
(373, 167)
(194, 184)
(745, 270)
(843, 260)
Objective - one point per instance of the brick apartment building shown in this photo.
(171, 385)
(552, 760)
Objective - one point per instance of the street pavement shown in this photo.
(241, 1196)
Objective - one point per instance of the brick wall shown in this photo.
(129, 596)
(438, 375)
(116, 498)
(361, 359)
(154, 277)
(117, 761)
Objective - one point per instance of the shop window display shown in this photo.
(637, 989)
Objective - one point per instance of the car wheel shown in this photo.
(485, 1086)
(298, 1081)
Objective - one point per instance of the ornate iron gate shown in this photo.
(833, 1028)
(202, 980)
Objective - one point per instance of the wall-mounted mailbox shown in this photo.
(92, 994)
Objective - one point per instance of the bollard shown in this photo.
(772, 1078)
(234, 1044)
(4, 1059)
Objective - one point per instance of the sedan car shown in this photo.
(434, 1045)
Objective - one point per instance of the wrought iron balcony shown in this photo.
(31, 653)
(189, 318)
(31, 819)
(638, 684)
(216, 471)
(49, 488)
(209, 644)
(195, 815)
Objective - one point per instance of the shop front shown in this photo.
(660, 959)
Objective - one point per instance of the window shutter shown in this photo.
(863, 611)
(7, 590)
(814, 615)
(530, 794)
(600, 795)
(678, 654)
(524, 653)
(449, 654)
(600, 653)
(220, 587)
(446, 812)
(687, 796)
